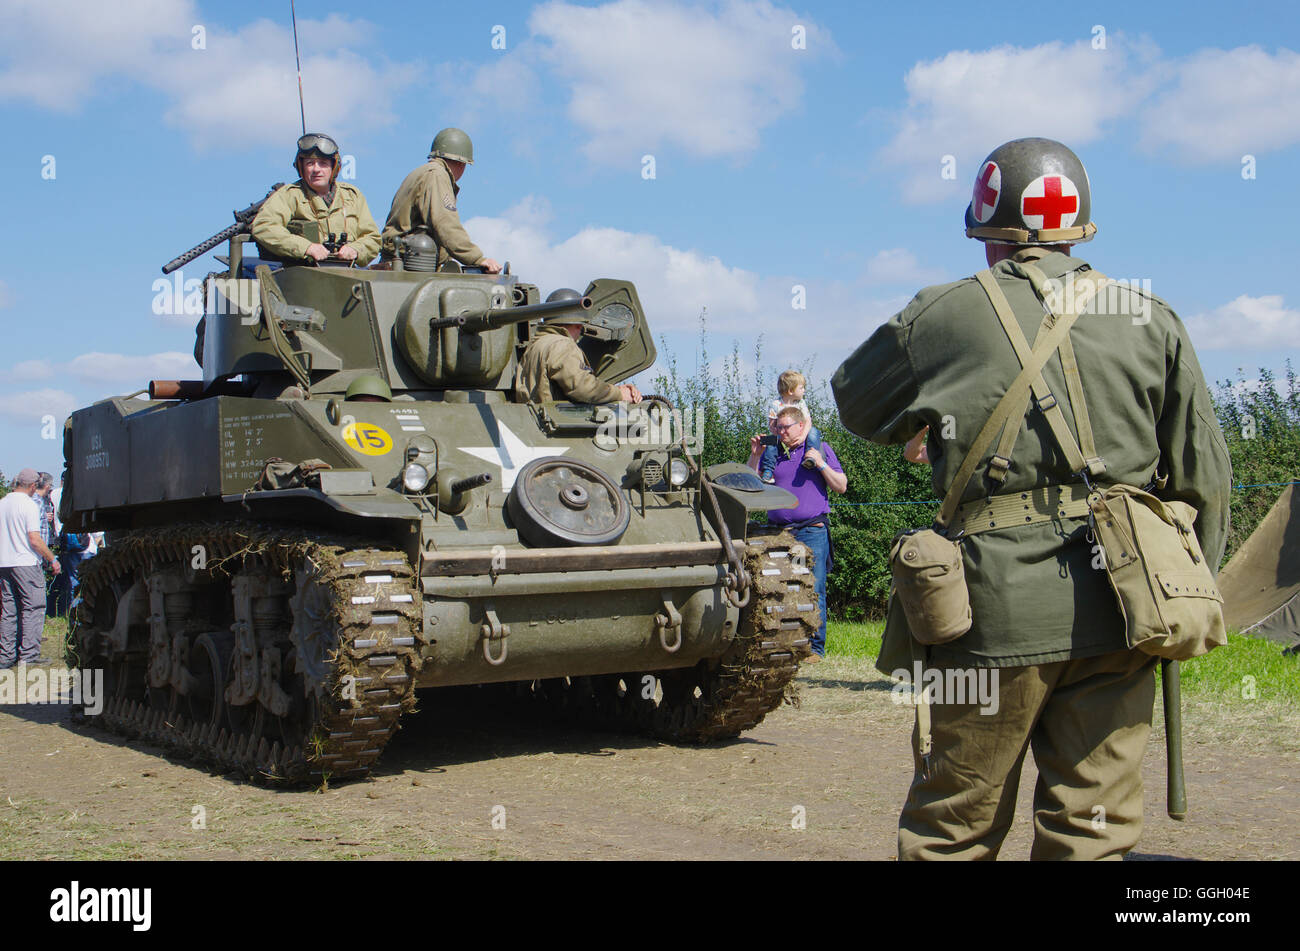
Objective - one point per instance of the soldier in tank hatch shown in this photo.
(335, 207)
(554, 367)
(426, 201)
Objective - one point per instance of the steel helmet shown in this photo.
(317, 143)
(368, 384)
(452, 144)
(1031, 191)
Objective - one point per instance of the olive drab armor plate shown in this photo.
(615, 337)
(1031, 191)
(288, 566)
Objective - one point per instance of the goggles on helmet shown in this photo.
(318, 142)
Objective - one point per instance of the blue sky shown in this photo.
(792, 145)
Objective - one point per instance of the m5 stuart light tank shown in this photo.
(286, 566)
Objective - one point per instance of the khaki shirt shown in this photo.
(427, 198)
(554, 368)
(348, 213)
(1035, 596)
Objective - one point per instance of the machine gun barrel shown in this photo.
(243, 224)
(476, 321)
(471, 482)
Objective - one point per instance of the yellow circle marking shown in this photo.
(367, 438)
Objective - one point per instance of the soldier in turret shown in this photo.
(426, 201)
(554, 367)
(336, 207)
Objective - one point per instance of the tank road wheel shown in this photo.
(719, 698)
(209, 661)
(305, 657)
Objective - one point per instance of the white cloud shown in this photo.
(966, 103)
(675, 284)
(31, 370)
(136, 369)
(1247, 323)
(33, 406)
(899, 266)
(240, 89)
(1226, 103)
(93, 369)
(645, 75)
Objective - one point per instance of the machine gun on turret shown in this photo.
(243, 225)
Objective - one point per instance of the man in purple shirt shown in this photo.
(809, 520)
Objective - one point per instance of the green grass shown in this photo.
(1231, 673)
(1246, 694)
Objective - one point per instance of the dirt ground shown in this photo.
(465, 779)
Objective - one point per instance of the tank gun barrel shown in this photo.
(476, 321)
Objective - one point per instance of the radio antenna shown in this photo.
(302, 112)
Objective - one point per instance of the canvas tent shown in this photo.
(1261, 584)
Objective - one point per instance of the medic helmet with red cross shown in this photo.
(1031, 191)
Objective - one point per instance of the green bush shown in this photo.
(1262, 426)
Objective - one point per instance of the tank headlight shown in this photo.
(678, 472)
(415, 477)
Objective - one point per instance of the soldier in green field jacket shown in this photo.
(426, 200)
(1044, 616)
(336, 207)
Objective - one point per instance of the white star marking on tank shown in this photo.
(512, 455)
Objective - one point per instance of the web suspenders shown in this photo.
(1053, 334)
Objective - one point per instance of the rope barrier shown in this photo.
(1252, 485)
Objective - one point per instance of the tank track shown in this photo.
(712, 701)
(348, 695)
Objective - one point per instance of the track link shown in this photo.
(720, 699)
(350, 633)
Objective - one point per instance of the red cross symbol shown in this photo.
(984, 193)
(1053, 204)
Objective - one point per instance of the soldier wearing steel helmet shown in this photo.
(1043, 618)
(336, 207)
(426, 201)
(554, 367)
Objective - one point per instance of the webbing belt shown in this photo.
(1045, 504)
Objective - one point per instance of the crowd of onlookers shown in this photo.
(40, 564)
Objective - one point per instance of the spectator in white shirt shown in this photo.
(22, 582)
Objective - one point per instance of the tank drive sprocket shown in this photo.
(275, 653)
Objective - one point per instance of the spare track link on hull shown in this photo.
(718, 700)
(354, 611)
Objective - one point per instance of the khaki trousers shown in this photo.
(1087, 722)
